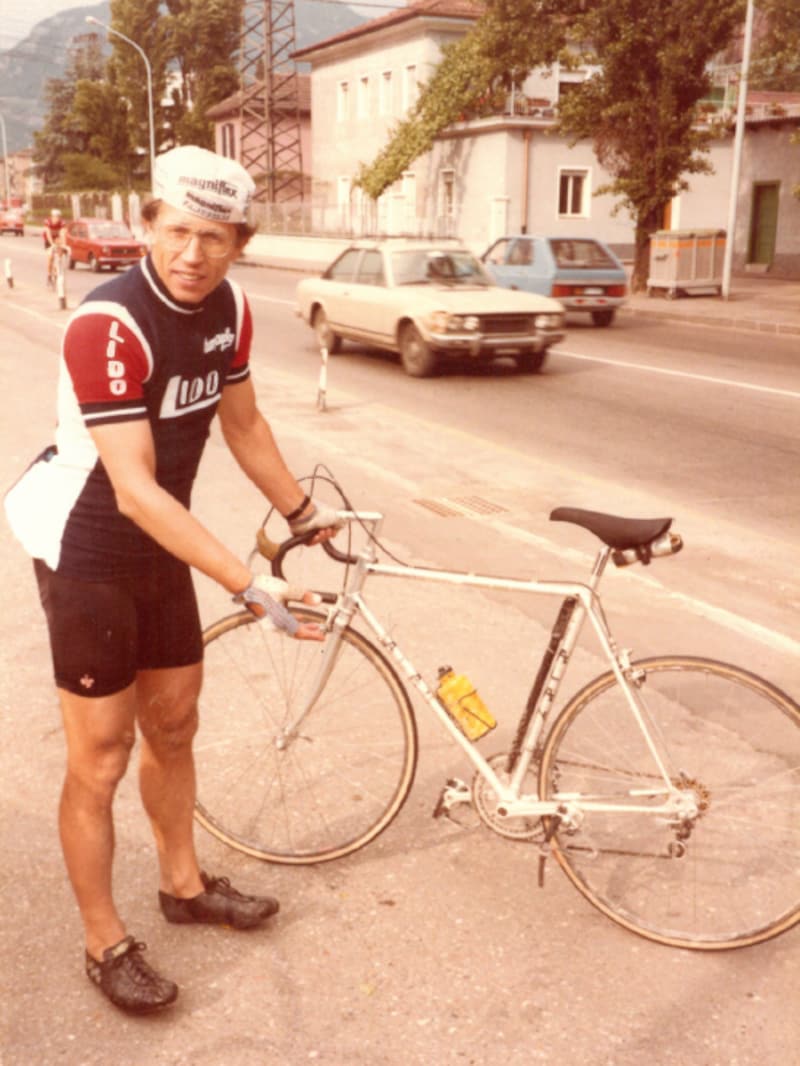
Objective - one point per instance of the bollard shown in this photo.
(9, 275)
(322, 390)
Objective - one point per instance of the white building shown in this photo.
(511, 171)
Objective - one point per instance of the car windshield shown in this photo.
(581, 255)
(109, 230)
(437, 266)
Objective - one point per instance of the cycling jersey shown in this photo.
(52, 231)
(130, 352)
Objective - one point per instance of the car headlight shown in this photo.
(105, 250)
(555, 321)
(444, 322)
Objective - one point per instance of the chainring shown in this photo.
(484, 799)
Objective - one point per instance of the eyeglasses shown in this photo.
(213, 243)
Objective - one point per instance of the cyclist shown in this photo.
(53, 235)
(148, 359)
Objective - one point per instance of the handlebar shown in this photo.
(276, 553)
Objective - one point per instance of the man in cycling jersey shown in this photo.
(148, 359)
(53, 236)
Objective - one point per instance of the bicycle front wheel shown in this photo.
(311, 794)
(727, 878)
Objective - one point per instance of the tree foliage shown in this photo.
(84, 142)
(638, 107)
(776, 52)
(100, 110)
(202, 37)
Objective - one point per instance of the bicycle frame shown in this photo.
(512, 802)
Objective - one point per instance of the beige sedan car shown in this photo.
(428, 302)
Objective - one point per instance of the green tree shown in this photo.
(202, 37)
(139, 20)
(637, 108)
(86, 124)
(776, 55)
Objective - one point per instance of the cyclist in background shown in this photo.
(53, 235)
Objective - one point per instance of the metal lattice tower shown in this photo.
(271, 148)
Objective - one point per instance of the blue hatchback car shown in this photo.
(581, 273)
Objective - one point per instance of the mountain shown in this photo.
(25, 68)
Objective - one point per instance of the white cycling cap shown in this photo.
(203, 183)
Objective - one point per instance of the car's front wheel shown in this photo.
(415, 353)
(326, 338)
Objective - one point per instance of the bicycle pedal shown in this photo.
(453, 793)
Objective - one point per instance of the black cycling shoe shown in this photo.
(128, 981)
(219, 904)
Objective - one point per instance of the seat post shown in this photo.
(600, 563)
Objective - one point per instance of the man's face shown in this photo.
(191, 254)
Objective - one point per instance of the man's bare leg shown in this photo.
(99, 735)
(167, 716)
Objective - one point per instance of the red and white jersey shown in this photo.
(130, 352)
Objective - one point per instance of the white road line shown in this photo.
(256, 298)
(38, 314)
(687, 375)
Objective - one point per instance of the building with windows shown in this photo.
(509, 170)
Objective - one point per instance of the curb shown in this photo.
(749, 325)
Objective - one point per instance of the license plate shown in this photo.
(594, 291)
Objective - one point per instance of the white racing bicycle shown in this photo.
(667, 789)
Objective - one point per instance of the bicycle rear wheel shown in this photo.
(732, 877)
(333, 786)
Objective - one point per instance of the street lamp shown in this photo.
(133, 44)
(5, 159)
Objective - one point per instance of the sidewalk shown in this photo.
(756, 302)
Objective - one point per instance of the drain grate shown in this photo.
(459, 506)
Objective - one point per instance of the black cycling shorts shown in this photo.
(103, 632)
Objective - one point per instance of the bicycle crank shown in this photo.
(485, 801)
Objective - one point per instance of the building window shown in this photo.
(447, 194)
(343, 101)
(385, 101)
(363, 96)
(228, 140)
(410, 87)
(573, 194)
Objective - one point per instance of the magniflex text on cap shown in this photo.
(203, 183)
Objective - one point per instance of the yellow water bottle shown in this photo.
(463, 704)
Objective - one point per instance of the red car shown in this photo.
(101, 242)
(12, 220)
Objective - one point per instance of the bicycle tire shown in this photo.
(343, 778)
(735, 738)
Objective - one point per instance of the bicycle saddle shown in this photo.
(619, 533)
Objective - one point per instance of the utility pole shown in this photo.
(271, 148)
(738, 142)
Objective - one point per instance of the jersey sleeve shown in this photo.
(108, 360)
(239, 369)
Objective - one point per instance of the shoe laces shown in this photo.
(224, 887)
(134, 964)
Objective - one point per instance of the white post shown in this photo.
(9, 275)
(322, 391)
(738, 140)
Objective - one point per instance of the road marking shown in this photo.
(687, 375)
(39, 315)
(270, 300)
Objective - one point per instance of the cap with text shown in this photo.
(203, 183)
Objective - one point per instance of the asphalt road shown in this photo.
(432, 946)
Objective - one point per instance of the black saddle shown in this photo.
(618, 533)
